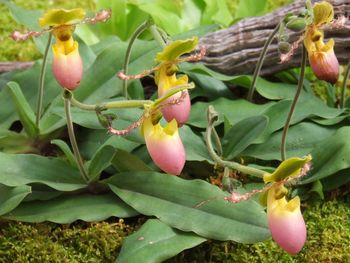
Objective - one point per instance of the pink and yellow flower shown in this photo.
(285, 220)
(322, 58)
(67, 64)
(166, 79)
(164, 145)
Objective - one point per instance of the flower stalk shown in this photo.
(344, 86)
(261, 61)
(39, 104)
(294, 103)
(212, 117)
(72, 138)
(136, 34)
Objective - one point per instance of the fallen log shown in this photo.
(236, 50)
(9, 66)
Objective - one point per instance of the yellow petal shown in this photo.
(58, 17)
(288, 168)
(323, 13)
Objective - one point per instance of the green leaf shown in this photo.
(67, 209)
(22, 169)
(330, 156)
(195, 147)
(92, 140)
(13, 142)
(217, 12)
(25, 112)
(156, 242)
(302, 138)
(176, 48)
(100, 161)
(11, 197)
(336, 180)
(249, 8)
(242, 110)
(124, 161)
(207, 86)
(243, 134)
(179, 203)
(66, 150)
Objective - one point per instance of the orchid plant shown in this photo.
(163, 129)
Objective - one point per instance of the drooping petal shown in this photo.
(165, 146)
(67, 65)
(285, 221)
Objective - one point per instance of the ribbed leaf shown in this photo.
(11, 197)
(156, 242)
(176, 202)
(242, 134)
(21, 169)
(67, 209)
(330, 156)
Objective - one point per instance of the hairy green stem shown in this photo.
(157, 36)
(39, 105)
(233, 165)
(260, 62)
(136, 34)
(294, 103)
(73, 140)
(121, 104)
(344, 85)
(173, 91)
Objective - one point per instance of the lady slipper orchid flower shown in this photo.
(164, 145)
(322, 58)
(177, 106)
(166, 79)
(67, 64)
(285, 220)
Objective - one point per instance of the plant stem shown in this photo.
(233, 165)
(294, 103)
(344, 85)
(107, 105)
(217, 142)
(73, 140)
(261, 61)
(39, 104)
(136, 34)
(157, 37)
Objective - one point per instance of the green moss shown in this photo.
(81, 242)
(328, 226)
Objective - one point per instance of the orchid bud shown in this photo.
(164, 146)
(178, 106)
(67, 64)
(285, 220)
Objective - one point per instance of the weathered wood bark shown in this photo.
(9, 66)
(236, 50)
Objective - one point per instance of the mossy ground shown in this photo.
(328, 225)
